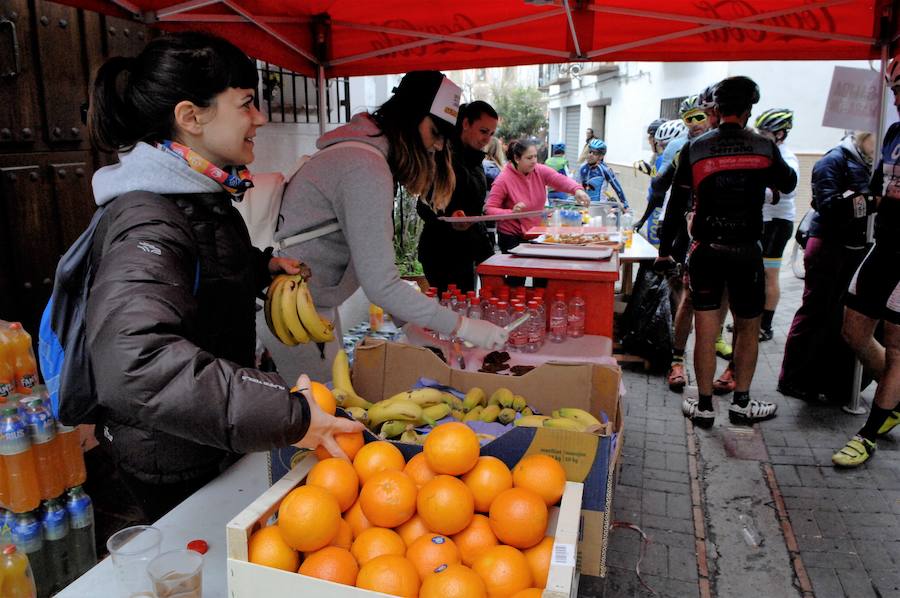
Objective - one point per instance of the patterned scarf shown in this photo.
(235, 182)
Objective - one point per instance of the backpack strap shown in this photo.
(330, 226)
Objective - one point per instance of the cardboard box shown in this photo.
(247, 580)
(382, 369)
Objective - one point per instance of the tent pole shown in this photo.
(320, 100)
(853, 405)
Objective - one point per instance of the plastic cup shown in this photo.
(131, 550)
(177, 574)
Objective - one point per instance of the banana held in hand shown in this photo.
(267, 306)
(287, 303)
(358, 413)
(319, 329)
(343, 387)
(579, 415)
(279, 328)
(400, 410)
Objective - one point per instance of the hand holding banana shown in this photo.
(291, 314)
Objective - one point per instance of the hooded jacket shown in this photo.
(355, 188)
(842, 169)
(170, 325)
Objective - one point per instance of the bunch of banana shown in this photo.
(291, 314)
(566, 418)
(343, 388)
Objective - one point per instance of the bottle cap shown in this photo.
(533, 303)
(200, 546)
(560, 295)
(520, 307)
(502, 304)
(9, 549)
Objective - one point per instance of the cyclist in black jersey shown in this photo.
(727, 171)
(874, 295)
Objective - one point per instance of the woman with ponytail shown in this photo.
(336, 211)
(171, 310)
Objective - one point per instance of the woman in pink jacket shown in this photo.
(522, 187)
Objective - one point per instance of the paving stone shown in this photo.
(870, 519)
(887, 582)
(667, 476)
(833, 560)
(874, 555)
(624, 540)
(654, 502)
(811, 476)
(677, 461)
(679, 506)
(669, 523)
(856, 583)
(655, 459)
(672, 539)
(825, 582)
(804, 523)
(656, 560)
(664, 486)
(830, 524)
(682, 565)
(786, 475)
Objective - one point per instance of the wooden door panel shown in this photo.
(74, 200)
(20, 115)
(124, 37)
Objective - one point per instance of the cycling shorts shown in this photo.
(776, 234)
(875, 287)
(739, 269)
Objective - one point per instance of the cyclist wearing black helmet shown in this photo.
(727, 171)
(778, 212)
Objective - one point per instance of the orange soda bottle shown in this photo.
(16, 579)
(18, 461)
(7, 373)
(45, 446)
(24, 364)
(72, 467)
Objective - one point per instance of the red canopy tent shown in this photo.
(348, 37)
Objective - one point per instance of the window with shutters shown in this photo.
(668, 107)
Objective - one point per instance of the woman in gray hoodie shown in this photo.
(354, 187)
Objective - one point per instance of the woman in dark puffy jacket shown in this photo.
(170, 317)
(816, 359)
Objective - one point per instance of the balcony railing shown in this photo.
(288, 97)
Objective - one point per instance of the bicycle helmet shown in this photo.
(776, 119)
(597, 145)
(558, 148)
(736, 92)
(892, 74)
(689, 103)
(655, 125)
(670, 130)
(706, 99)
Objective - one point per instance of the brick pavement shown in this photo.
(846, 523)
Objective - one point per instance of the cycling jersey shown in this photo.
(600, 169)
(785, 208)
(886, 181)
(727, 170)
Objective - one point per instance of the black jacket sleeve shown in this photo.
(679, 202)
(140, 317)
(830, 183)
(783, 177)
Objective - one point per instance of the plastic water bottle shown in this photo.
(82, 549)
(518, 338)
(542, 309)
(535, 328)
(485, 296)
(558, 319)
(576, 316)
(502, 314)
(55, 521)
(7, 521)
(627, 228)
(445, 302)
(475, 312)
(27, 535)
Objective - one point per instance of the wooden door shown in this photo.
(20, 113)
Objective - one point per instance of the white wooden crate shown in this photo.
(247, 580)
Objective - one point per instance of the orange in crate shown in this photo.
(538, 558)
(375, 542)
(412, 529)
(267, 547)
(344, 537)
(388, 498)
(475, 539)
(356, 519)
(338, 477)
(541, 474)
(417, 468)
(487, 480)
(390, 574)
(519, 517)
(332, 564)
(446, 505)
(309, 518)
(375, 457)
(430, 552)
(452, 448)
(350, 442)
(504, 570)
(454, 581)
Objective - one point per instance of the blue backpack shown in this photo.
(62, 346)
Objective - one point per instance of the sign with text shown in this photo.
(853, 100)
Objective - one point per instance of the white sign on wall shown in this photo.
(853, 99)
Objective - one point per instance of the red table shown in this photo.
(595, 279)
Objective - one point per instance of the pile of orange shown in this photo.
(447, 524)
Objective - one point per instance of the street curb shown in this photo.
(704, 582)
(787, 530)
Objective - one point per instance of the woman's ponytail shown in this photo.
(111, 122)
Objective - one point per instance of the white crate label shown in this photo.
(563, 554)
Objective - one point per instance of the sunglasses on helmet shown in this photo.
(694, 118)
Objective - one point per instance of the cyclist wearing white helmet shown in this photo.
(874, 295)
(778, 213)
(594, 175)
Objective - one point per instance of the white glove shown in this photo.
(483, 333)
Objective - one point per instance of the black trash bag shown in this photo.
(646, 326)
